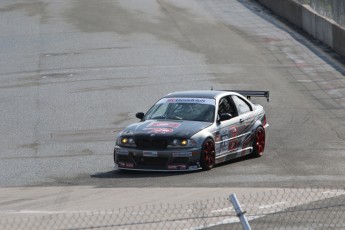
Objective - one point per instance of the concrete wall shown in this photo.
(317, 26)
(289, 10)
(339, 39)
(303, 16)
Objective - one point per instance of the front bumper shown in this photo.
(157, 160)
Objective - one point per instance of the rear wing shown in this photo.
(252, 93)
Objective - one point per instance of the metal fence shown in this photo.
(276, 209)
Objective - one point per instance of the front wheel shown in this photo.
(208, 154)
(259, 142)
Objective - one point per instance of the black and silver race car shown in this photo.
(193, 130)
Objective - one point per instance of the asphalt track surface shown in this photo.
(73, 73)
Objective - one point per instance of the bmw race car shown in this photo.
(193, 130)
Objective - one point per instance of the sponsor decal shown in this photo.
(164, 124)
(162, 127)
(126, 165)
(188, 100)
(226, 139)
(177, 167)
(186, 154)
(129, 165)
(217, 137)
(218, 149)
(194, 167)
(159, 130)
(224, 135)
(150, 154)
(224, 132)
(233, 143)
(233, 131)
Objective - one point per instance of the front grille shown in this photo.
(147, 143)
(151, 161)
(123, 158)
(181, 160)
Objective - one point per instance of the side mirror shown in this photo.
(140, 115)
(225, 116)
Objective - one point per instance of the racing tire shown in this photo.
(208, 154)
(259, 142)
(114, 156)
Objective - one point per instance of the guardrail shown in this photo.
(276, 209)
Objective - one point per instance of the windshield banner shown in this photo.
(207, 101)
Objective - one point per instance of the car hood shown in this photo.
(183, 129)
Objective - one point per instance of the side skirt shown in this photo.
(233, 155)
(153, 170)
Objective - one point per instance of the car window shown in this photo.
(226, 105)
(242, 106)
(193, 109)
(192, 112)
(157, 111)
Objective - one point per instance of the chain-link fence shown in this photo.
(276, 209)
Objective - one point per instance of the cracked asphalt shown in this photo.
(73, 73)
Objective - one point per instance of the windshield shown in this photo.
(192, 109)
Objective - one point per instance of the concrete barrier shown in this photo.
(303, 16)
(293, 12)
(339, 39)
(288, 9)
(318, 26)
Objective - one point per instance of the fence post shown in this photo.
(239, 212)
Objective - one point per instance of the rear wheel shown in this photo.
(208, 156)
(259, 142)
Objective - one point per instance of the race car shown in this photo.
(192, 130)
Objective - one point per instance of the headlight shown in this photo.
(183, 143)
(125, 141)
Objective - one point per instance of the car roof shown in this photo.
(198, 94)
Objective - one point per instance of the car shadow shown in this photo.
(117, 173)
